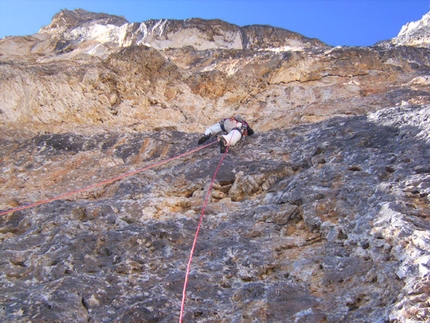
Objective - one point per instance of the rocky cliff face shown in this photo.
(415, 33)
(96, 70)
(321, 216)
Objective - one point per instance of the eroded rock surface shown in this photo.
(321, 216)
(322, 222)
(138, 85)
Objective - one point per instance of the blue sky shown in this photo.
(335, 22)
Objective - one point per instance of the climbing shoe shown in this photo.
(203, 139)
(222, 145)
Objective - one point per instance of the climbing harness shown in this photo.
(221, 124)
(62, 196)
(208, 194)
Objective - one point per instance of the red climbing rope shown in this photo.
(104, 182)
(133, 173)
(184, 292)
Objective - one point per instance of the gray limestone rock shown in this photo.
(321, 216)
(339, 238)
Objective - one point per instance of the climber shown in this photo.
(233, 128)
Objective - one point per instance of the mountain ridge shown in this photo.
(415, 33)
(170, 33)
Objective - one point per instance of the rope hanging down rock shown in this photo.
(208, 194)
(108, 181)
